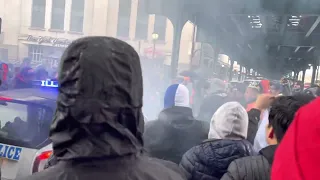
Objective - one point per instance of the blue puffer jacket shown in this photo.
(210, 159)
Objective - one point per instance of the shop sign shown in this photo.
(56, 42)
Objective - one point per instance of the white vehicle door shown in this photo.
(15, 161)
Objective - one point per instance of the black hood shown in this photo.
(176, 113)
(181, 120)
(100, 98)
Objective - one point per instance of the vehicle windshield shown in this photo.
(24, 125)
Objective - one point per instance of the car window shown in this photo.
(25, 125)
(9, 111)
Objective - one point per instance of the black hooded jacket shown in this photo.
(174, 133)
(252, 167)
(98, 125)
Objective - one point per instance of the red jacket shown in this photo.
(298, 155)
(265, 86)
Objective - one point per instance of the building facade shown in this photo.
(42, 29)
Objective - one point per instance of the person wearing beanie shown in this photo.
(226, 142)
(297, 156)
(176, 95)
(176, 130)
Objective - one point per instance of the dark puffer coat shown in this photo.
(98, 125)
(210, 160)
(174, 133)
(252, 167)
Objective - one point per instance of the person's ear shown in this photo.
(271, 134)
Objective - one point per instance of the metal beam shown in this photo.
(250, 7)
(284, 24)
(310, 49)
(297, 49)
(283, 27)
(264, 27)
(272, 39)
(313, 27)
(271, 14)
(238, 25)
(292, 39)
(218, 24)
(296, 46)
(230, 43)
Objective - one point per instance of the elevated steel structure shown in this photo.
(271, 36)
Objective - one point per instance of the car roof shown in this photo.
(31, 94)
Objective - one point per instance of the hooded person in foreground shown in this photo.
(282, 113)
(226, 142)
(176, 130)
(98, 125)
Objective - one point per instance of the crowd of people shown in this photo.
(22, 76)
(98, 131)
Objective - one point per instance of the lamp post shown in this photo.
(155, 37)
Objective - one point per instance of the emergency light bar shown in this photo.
(46, 83)
(49, 83)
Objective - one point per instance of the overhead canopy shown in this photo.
(272, 36)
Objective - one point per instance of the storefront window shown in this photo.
(38, 13)
(57, 16)
(35, 53)
(77, 15)
(52, 56)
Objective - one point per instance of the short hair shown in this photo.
(283, 110)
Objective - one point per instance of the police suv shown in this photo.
(25, 119)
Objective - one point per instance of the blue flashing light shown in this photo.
(49, 83)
